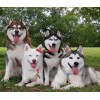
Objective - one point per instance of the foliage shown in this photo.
(77, 25)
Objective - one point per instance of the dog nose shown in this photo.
(76, 63)
(34, 61)
(53, 44)
(16, 32)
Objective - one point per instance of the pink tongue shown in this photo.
(75, 71)
(53, 50)
(16, 39)
(33, 65)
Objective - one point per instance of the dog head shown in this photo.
(52, 42)
(16, 32)
(33, 56)
(73, 61)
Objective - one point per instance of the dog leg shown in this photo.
(46, 77)
(23, 82)
(72, 85)
(38, 81)
(8, 71)
(55, 86)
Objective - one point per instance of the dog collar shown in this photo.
(38, 50)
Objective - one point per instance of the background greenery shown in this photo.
(77, 25)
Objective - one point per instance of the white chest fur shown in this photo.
(16, 53)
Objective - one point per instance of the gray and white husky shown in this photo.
(52, 55)
(72, 70)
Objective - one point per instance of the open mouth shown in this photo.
(52, 49)
(33, 65)
(16, 38)
(75, 69)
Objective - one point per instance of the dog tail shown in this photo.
(95, 75)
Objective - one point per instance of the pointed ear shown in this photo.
(40, 47)
(26, 47)
(22, 22)
(46, 33)
(10, 22)
(80, 49)
(58, 33)
(67, 49)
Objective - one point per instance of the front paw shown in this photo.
(30, 85)
(19, 84)
(5, 80)
(55, 86)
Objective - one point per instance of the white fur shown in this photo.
(75, 80)
(12, 68)
(29, 73)
(54, 60)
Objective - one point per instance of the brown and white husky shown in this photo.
(17, 36)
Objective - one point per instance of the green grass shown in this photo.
(92, 58)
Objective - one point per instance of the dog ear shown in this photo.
(80, 49)
(40, 47)
(10, 22)
(22, 22)
(58, 34)
(26, 47)
(46, 33)
(67, 49)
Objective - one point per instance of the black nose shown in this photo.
(16, 32)
(76, 63)
(34, 61)
(53, 44)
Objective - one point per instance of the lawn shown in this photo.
(92, 58)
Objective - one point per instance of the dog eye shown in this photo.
(20, 28)
(12, 28)
(30, 55)
(78, 57)
(37, 55)
(56, 39)
(51, 39)
(70, 57)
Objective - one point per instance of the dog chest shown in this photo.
(53, 62)
(17, 53)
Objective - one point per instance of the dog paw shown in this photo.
(19, 84)
(55, 86)
(30, 85)
(4, 80)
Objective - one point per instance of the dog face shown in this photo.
(52, 42)
(33, 56)
(73, 61)
(16, 32)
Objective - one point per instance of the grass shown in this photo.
(92, 58)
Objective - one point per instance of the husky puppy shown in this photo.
(17, 37)
(32, 66)
(72, 70)
(52, 55)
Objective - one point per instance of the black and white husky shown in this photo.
(17, 36)
(52, 55)
(72, 70)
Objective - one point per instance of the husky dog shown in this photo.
(32, 66)
(72, 70)
(52, 55)
(17, 37)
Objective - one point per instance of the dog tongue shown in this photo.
(53, 50)
(75, 71)
(16, 39)
(33, 65)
